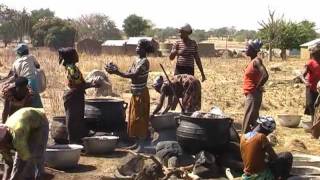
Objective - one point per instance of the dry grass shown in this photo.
(222, 89)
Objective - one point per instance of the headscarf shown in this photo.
(22, 49)
(3, 131)
(255, 44)
(68, 55)
(267, 123)
(187, 28)
(158, 81)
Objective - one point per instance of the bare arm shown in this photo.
(5, 112)
(262, 69)
(160, 104)
(174, 52)
(199, 64)
(304, 74)
(169, 105)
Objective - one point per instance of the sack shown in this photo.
(41, 80)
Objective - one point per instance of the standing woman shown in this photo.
(186, 51)
(74, 95)
(310, 77)
(26, 66)
(255, 77)
(139, 107)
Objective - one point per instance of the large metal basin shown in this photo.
(165, 121)
(100, 144)
(63, 156)
(306, 160)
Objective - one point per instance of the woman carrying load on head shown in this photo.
(74, 95)
(255, 77)
(310, 77)
(185, 86)
(139, 107)
(186, 51)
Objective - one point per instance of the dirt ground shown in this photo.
(222, 89)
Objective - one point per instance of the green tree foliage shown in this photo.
(244, 35)
(6, 33)
(54, 33)
(270, 30)
(96, 26)
(199, 35)
(287, 34)
(135, 25)
(14, 24)
(39, 14)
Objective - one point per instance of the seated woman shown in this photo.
(185, 86)
(17, 95)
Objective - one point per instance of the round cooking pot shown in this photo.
(196, 134)
(109, 113)
(58, 130)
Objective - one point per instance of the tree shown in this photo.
(135, 25)
(244, 35)
(269, 30)
(199, 35)
(54, 33)
(36, 15)
(96, 26)
(293, 34)
(6, 33)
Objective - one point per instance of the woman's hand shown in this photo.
(203, 78)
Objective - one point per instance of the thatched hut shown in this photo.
(89, 46)
(304, 48)
(114, 47)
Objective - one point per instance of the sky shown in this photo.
(200, 14)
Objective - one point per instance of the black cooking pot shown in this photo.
(109, 114)
(196, 134)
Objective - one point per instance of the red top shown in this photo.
(313, 75)
(251, 78)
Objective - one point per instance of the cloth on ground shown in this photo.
(105, 86)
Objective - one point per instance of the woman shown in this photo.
(310, 77)
(186, 51)
(255, 77)
(26, 66)
(139, 107)
(185, 86)
(74, 95)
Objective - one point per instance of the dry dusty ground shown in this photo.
(222, 89)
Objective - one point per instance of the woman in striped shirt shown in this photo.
(139, 108)
(186, 51)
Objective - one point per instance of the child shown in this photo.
(74, 95)
(139, 108)
(17, 95)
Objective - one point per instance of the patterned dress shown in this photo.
(74, 104)
(186, 87)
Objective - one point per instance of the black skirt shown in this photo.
(311, 97)
(184, 70)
